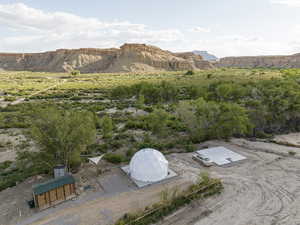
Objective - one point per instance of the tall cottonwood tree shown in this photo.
(62, 135)
(209, 119)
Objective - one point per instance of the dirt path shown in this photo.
(20, 100)
(263, 190)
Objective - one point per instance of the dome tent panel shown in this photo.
(148, 165)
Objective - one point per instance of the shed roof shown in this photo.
(52, 184)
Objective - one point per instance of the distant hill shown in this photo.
(206, 56)
(127, 58)
(275, 61)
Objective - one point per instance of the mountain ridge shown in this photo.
(264, 61)
(127, 58)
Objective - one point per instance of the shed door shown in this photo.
(72, 188)
(53, 197)
(60, 193)
(67, 190)
(41, 199)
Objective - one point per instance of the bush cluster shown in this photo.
(172, 201)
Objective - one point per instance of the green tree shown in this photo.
(208, 119)
(233, 120)
(190, 72)
(107, 127)
(140, 101)
(75, 72)
(157, 122)
(62, 135)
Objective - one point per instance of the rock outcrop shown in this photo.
(206, 56)
(288, 61)
(127, 58)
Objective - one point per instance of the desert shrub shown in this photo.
(130, 153)
(76, 98)
(157, 122)
(209, 76)
(114, 158)
(24, 167)
(190, 72)
(197, 91)
(208, 120)
(107, 126)
(137, 123)
(292, 153)
(75, 72)
(121, 92)
(151, 93)
(190, 148)
(140, 101)
(4, 165)
(10, 98)
(172, 200)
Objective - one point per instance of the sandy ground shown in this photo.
(13, 201)
(11, 141)
(264, 189)
(111, 195)
(292, 139)
(277, 149)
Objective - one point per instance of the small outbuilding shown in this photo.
(54, 191)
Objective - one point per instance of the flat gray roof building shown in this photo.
(220, 155)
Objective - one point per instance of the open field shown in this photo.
(26, 83)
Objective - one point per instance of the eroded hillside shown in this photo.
(128, 58)
(283, 61)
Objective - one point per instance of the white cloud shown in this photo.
(25, 29)
(200, 29)
(293, 3)
(238, 45)
(36, 30)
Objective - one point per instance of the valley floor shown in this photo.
(261, 190)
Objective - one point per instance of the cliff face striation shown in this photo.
(127, 58)
(288, 61)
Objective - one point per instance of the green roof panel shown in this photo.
(52, 184)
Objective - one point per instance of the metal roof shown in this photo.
(221, 155)
(52, 184)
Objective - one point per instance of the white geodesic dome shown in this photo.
(148, 165)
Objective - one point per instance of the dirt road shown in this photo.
(20, 100)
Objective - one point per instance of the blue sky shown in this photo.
(222, 27)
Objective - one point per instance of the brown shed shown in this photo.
(54, 191)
